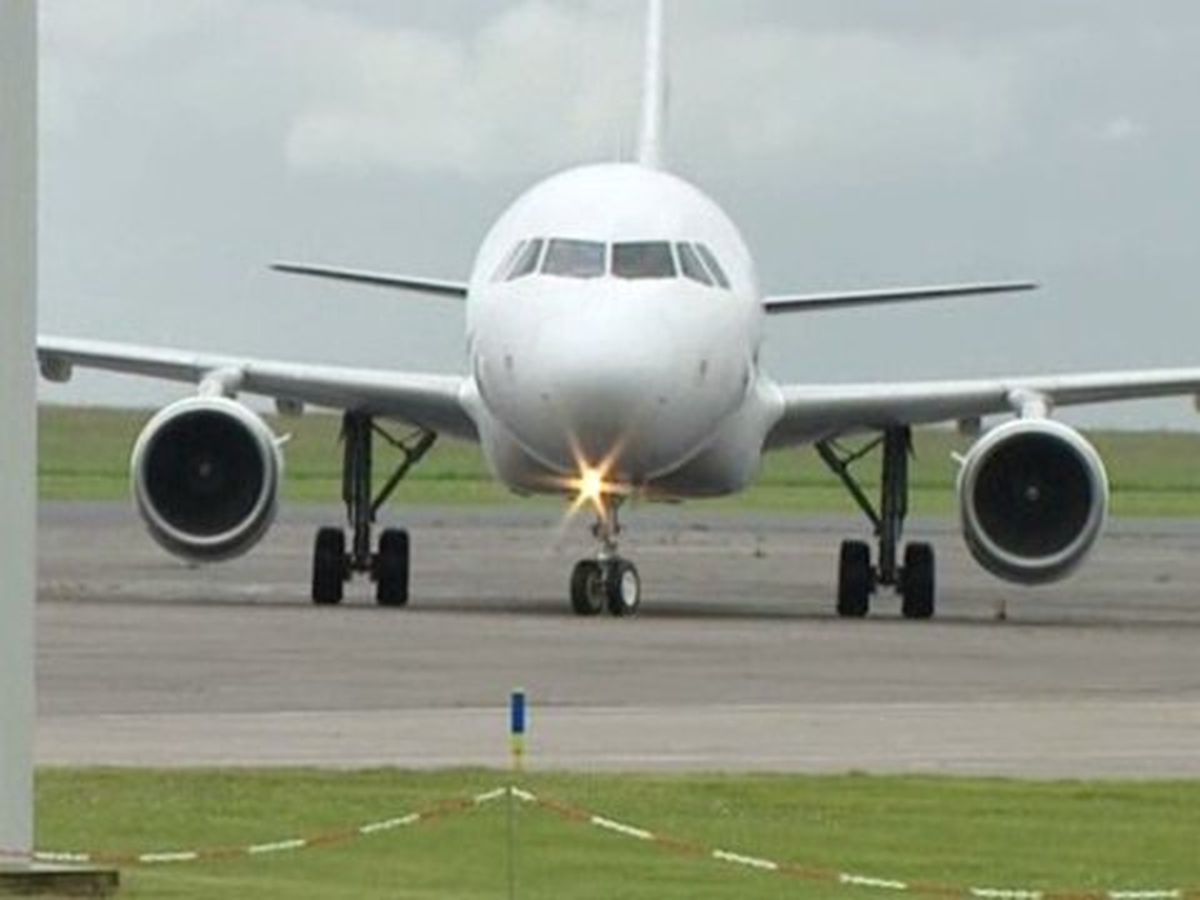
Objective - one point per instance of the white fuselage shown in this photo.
(652, 381)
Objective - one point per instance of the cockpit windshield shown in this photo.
(643, 259)
(630, 260)
(527, 260)
(505, 267)
(713, 266)
(692, 267)
(574, 259)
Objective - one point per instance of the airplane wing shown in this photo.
(433, 286)
(848, 299)
(815, 412)
(427, 401)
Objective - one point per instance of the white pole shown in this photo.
(18, 422)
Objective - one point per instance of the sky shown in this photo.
(858, 143)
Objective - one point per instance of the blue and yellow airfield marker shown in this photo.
(518, 728)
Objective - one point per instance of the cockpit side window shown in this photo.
(643, 259)
(505, 267)
(713, 266)
(691, 265)
(574, 259)
(527, 260)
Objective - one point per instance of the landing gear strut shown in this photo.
(333, 566)
(607, 582)
(857, 578)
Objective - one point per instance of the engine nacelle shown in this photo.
(206, 478)
(1034, 498)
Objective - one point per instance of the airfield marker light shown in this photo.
(518, 722)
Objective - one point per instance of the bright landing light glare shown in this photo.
(591, 486)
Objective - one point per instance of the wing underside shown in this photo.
(819, 411)
(428, 401)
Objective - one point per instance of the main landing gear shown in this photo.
(607, 582)
(333, 566)
(857, 578)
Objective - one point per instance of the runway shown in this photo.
(736, 662)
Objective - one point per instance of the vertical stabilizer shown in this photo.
(654, 90)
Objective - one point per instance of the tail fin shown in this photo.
(654, 87)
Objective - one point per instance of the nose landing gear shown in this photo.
(607, 582)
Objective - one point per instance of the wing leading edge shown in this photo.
(820, 411)
(432, 286)
(850, 299)
(427, 401)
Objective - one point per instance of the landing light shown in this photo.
(591, 486)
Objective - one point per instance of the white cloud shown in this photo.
(844, 100)
(547, 85)
(537, 85)
(114, 28)
(1122, 130)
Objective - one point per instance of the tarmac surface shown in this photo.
(736, 662)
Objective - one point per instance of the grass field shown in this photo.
(942, 831)
(85, 453)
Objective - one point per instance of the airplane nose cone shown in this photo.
(603, 393)
(626, 387)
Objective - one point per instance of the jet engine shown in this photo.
(1033, 495)
(206, 478)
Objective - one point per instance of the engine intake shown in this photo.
(206, 477)
(1034, 498)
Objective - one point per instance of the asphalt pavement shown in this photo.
(736, 662)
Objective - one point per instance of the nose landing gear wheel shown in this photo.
(613, 585)
(587, 588)
(610, 582)
(622, 588)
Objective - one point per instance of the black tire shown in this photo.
(391, 568)
(917, 582)
(587, 588)
(856, 581)
(622, 588)
(329, 567)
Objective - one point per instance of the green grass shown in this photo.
(958, 832)
(85, 453)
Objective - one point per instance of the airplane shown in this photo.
(614, 328)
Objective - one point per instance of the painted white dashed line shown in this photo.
(750, 862)
(390, 824)
(619, 828)
(490, 796)
(613, 826)
(882, 884)
(277, 847)
(151, 859)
